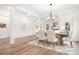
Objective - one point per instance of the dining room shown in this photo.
(51, 31)
(60, 30)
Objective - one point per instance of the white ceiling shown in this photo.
(43, 10)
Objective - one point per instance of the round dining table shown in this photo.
(61, 35)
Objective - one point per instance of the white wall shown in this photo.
(4, 18)
(24, 25)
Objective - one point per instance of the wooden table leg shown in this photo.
(61, 40)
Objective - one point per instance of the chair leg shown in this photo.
(46, 43)
(71, 43)
(54, 45)
(38, 42)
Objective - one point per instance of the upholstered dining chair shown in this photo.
(69, 38)
(51, 38)
(41, 37)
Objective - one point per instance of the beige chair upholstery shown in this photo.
(51, 37)
(41, 36)
(69, 38)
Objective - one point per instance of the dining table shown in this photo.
(61, 35)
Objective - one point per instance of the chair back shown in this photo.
(41, 35)
(51, 36)
(70, 35)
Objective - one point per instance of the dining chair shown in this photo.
(69, 38)
(41, 37)
(51, 38)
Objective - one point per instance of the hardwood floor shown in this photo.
(22, 47)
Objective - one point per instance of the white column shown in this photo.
(12, 26)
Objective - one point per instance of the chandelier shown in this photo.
(51, 17)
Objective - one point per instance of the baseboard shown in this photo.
(4, 38)
(17, 37)
(24, 36)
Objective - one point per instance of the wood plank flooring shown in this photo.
(22, 47)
